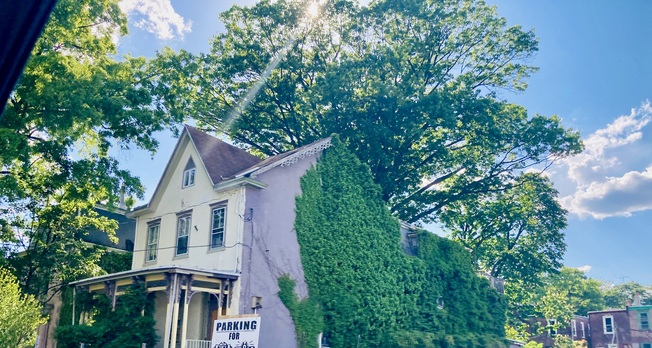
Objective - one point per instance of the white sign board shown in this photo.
(236, 332)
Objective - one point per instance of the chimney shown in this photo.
(637, 299)
(121, 202)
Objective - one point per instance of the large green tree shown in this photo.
(560, 295)
(515, 234)
(411, 87)
(73, 102)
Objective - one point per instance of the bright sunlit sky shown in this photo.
(595, 73)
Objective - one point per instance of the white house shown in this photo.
(214, 238)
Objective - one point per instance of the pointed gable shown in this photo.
(221, 160)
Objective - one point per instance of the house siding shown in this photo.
(274, 250)
(621, 335)
(638, 334)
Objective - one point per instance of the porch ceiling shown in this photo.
(156, 270)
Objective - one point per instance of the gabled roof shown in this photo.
(221, 160)
(286, 158)
(227, 165)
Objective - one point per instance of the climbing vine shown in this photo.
(371, 292)
(306, 314)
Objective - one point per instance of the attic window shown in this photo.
(189, 174)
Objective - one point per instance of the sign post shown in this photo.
(236, 332)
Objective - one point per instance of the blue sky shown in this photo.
(595, 64)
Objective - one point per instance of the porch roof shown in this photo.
(157, 270)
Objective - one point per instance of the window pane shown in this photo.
(183, 228)
(217, 240)
(182, 245)
(152, 241)
(217, 227)
(218, 218)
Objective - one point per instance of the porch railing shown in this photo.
(198, 344)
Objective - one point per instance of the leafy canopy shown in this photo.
(516, 234)
(73, 102)
(411, 87)
(560, 295)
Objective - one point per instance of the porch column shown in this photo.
(172, 295)
(175, 316)
(186, 302)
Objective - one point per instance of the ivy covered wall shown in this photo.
(371, 293)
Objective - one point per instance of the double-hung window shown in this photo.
(574, 328)
(189, 177)
(644, 321)
(189, 174)
(152, 242)
(218, 219)
(183, 234)
(608, 324)
(583, 333)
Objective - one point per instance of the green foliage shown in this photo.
(469, 304)
(616, 296)
(73, 102)
(114, 262)
(562, 341)
(371, 292)
(411, 89)
(129, 325)
(306, 314)
(516, 234)
(560, 295)
(20, 314)
(110, 262)
(533, 344)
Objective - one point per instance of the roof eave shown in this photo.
(237, 182)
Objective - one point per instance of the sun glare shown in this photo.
(313, 10)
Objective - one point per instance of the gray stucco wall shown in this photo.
(273, 251)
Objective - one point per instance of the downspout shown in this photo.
(238, 248)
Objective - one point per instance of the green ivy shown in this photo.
(306, 314)
(372, 294)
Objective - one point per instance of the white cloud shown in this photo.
(588, 166)
(157, 17)
(584, 268)
(613, 176)
(616, 196)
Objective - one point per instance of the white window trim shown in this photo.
(604, 324)
(210, 236)
(552, 322)
(583, 334)
(574, 328)
(188, 178)
(148, 245)
(188, 224)
(647, 320)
